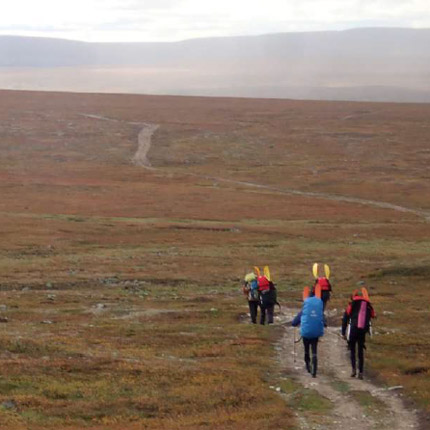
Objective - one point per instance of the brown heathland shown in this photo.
(134, 271)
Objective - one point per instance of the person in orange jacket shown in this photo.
(326, 289)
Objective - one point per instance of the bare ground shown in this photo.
(144, 145)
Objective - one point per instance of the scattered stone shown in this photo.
(4, 319)
(332, 312)
(214, 310)
(388, 313)
(100, 306)
(47, 322)
(3, 307)
(26, 289)
(48, 285)
(51, 297)
(396, 387)
(9, 404)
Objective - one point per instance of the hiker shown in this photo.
(322, 282)
(326, 289)
(250, 289)
(268, 299)
(355, 325)
(311, 322)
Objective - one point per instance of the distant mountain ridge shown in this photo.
(360, 58)
(19, 51)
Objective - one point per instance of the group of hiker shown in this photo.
(356, 322)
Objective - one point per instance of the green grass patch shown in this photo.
(371, 405)
(341, 386)
(305, 399)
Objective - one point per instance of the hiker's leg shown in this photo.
(314, 345)
(325, 297)
(307, 344)
(253, 308)
(361, 341)
(270, 311)
(263, 314)
(352, 342)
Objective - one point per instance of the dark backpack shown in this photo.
(269, 296)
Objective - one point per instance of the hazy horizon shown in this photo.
(232, 36)
(177, 20)
(372, 64)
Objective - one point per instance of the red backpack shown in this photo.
(263, 283)
(324, 284)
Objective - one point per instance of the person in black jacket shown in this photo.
(268, 299)
(355, 326)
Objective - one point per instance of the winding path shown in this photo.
(141, 159)
(144, 138)
(324, 196)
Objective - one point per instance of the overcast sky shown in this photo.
(171, 20)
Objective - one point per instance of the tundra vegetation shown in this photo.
(120, 284)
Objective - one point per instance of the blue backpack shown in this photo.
(253, 293)
(312, 321)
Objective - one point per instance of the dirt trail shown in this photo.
(324, 196)
(144, 145)
(379, 408)
(144, 138)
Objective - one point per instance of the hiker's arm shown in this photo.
(245, 289)
(344, 323)
(297, 320)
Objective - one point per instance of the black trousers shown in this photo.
(269, 309)
(311, 344)
(253, 309)
(357, 340)
(325, 297)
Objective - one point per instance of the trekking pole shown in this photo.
(294, 345)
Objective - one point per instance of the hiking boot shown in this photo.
(360, 375)
(308, 367)
(353, 374)
(314, 366)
